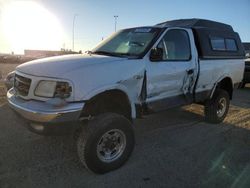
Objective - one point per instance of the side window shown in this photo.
(223, 44)
(175, 45)
(218, 44)
(231, 45)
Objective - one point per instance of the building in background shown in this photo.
(46, 53)
(31, 55)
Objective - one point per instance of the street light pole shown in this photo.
(73, 32)
(115, 21)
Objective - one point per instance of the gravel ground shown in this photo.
(175, 148)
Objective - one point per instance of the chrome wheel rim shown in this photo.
(111, 145)
(222, 106)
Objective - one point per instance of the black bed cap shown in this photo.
(196, 23)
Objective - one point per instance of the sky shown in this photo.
(94, 20)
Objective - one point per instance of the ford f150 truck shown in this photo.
(133, 73)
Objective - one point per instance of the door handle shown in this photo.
(190, 71)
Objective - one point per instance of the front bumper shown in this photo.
(43, 116)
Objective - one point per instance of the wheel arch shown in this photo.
(112, 99)
(224, 83)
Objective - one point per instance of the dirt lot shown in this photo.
(5, 68)
(175, 148)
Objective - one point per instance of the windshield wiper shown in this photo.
(105, 53)
(129, 55)
(115, 54)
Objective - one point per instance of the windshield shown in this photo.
(129, 42)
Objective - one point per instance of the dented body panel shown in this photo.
(91, 76)
(167, 79)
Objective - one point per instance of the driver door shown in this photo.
(170, 80)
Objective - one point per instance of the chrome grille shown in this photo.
(22, 85)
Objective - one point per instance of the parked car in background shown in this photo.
(246, 46)
(246, 78)
(9, 80)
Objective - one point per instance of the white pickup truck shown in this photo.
(133, 73)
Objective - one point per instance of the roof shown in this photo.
(197, 23)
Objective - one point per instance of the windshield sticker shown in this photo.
(143, 30)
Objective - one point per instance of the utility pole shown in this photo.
(115, 21)
(73, 32)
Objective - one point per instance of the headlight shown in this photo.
(45, 89)
(53, 89)
(63, 90)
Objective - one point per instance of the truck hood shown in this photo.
(58, 66)
(90, 74)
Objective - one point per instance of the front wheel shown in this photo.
(105, 143)
(216, 108)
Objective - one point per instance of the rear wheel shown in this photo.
(216, 108)
(105, 143)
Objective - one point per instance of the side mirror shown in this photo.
(156, 54)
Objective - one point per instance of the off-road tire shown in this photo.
(89, 139)
(212, 107)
